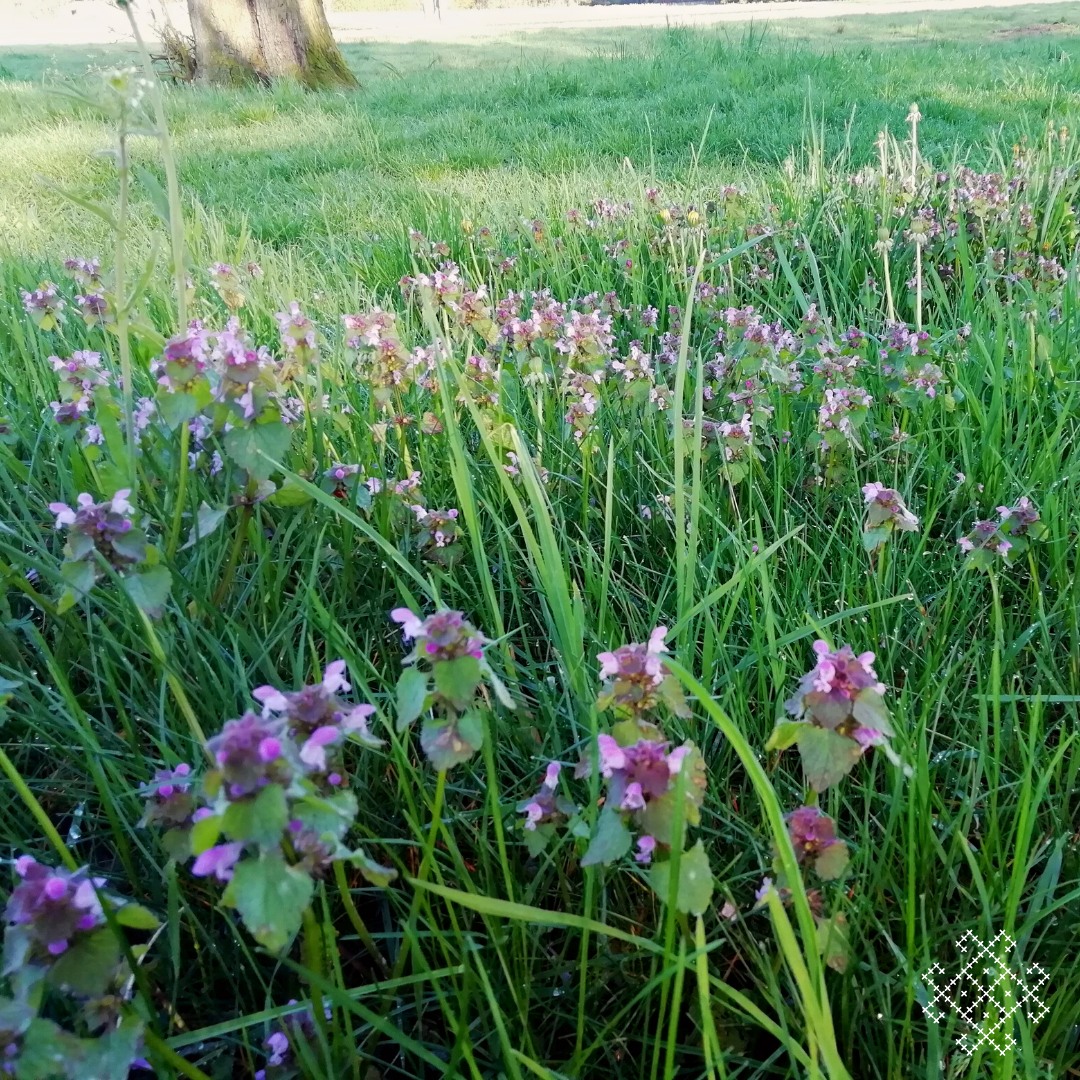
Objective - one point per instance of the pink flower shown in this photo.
(551, 776)
(612, 756)
(534, 814)
(632, 799)
(646, 845)
(218, 861)
(313, 752)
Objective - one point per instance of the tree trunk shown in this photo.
(238, 41)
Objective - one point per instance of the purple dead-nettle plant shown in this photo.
(103, 537)
(1003, 538)
(55, 909)
(546, 811)
(299, 342)
(886, 512)
(445, 679)
(652, 790)
(45, 306)
(274, 809)
(839, 714)
(57, 938)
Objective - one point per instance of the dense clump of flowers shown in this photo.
(273, 811)
(382, 361)
(814, 840)
(636, 681)
(106, 534)
(1003, 537)
(106, 528)
(299, 341)
(54, 906)
(44, 305)
(444, 679)
(885, 512)
(839, 713)
(320, 722)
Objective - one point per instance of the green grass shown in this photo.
(495, 963)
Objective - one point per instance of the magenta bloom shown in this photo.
(218, 861)
(636, 678)
(646, 845)
(169, 800)
(107, 528)
(885, 511)
(249, 755)
(827, 693)
(442, 636)
(546, 805)
(317, 718)
(55, 905)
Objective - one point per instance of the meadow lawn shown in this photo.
(863, 429)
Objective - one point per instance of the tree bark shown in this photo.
(240, 41)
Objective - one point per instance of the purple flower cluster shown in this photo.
(546, 807)
(840, 689)
(55, 906)
(107, 528)
(170, 801)
(885, 512)
(319, 722)
(635, 679)
(44, 305)
(1002, 537)
(446, 635)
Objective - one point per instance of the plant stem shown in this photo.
(37, 810)
(172, 185)
(234, 554)
(122, 304)
(356, 920)
(181, 490)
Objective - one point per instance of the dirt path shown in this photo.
(41, 23)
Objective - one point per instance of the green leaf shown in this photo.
(832, 862)
(176, 408)
(205, 833)
(611, 840)
(785, 734)
(207, 521)
(537, 840)
(870, 710)
(290, 494)
(446, 744)
(874, 538)
(260, 820)
(457, 679)
(329, 817)
(109, 1056)
(158, 199)
(89, 966)
(136, 917)
(834, 941)
(826, 756)
(246, 444)
(149, 589)
(271, 898)
(412, 689)
(373, 872)
(694, 892)
(79, 578)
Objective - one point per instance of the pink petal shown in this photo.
(270, 698)
(334, 677)
(656, 640)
